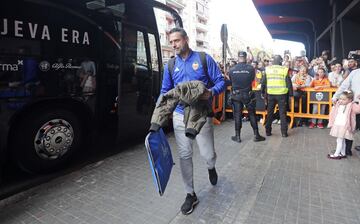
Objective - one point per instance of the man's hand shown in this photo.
(206, 95)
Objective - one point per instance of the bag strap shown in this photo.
(204, 63)
(171, 66)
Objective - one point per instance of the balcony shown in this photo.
(178, 4)
(168, 27)
(201, 38)
(202, 45)
(202, 48)
(202, 27)
(202, 15)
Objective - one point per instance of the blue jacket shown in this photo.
(191, 69)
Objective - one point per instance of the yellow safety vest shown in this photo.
(276, 79)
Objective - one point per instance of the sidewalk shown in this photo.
(281, 180)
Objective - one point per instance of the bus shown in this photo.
(72, 71)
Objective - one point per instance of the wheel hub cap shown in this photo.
(54, 139)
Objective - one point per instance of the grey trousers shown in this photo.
(205, 142)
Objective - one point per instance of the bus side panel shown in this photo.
(46, 52)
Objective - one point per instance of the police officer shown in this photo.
(242, 76)
(277, 85)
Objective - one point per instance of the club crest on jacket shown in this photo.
(195, 65)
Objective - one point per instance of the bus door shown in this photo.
(155, 54)
(135, 102)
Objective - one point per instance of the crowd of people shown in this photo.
(319, 73)
(341, 76)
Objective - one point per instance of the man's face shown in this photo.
(325, 56)
(352, 63)
(179, 43)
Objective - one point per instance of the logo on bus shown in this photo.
(44, 66)
(11, 67)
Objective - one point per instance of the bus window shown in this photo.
(156, 77)
(141, 49)
(153, 53)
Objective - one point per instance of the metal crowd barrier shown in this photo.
(217, 106)
(312, 96)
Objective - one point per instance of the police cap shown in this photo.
(242, 54)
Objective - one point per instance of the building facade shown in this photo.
(195, 16)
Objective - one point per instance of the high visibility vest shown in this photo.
(276, 79)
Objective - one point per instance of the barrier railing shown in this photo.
(313, 98)
(217, 106)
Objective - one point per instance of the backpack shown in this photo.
(171, 65)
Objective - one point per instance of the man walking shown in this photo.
(242, 75)
(188, 66)
(277, 85)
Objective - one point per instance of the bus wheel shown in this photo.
(45, 141)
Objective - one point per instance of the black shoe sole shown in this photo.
(259, 140)
(235, 140)
(192, 208)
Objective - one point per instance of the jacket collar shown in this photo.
(189, 56)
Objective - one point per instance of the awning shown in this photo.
(309, 21)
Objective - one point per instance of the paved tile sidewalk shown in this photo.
(281, 180)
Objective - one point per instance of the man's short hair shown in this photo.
(179, 30)
(325, 52)
(277, 59)
(354, 56)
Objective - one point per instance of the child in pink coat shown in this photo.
(342, 122)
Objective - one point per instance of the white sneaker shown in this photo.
(279, 122)
(275, 121)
